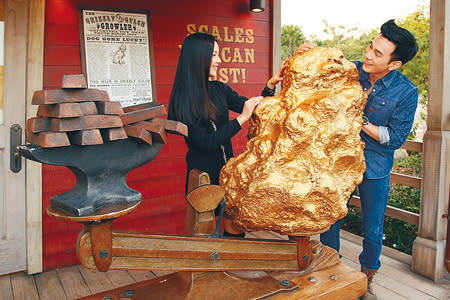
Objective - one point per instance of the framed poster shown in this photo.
(117, 54)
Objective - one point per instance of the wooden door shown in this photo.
(12, 184)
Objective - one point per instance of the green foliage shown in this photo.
(418, 22)
(291, 37)
(397, 234)
(353, 44)
(346, 39)
(411, 165)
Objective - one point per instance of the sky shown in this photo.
(364, 14)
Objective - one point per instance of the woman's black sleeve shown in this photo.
(206, 140)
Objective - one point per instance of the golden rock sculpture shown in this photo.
(304, 156)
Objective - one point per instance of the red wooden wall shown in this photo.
(245, 41)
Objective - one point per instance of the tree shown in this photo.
(353, 44)
(291, 37)
(347, 40)
(418, 22)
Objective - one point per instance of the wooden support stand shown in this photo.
(212, 268)
(338, 283)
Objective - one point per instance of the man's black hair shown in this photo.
(405, 42)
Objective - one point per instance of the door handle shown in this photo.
(15, 139)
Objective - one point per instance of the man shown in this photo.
(388, 118)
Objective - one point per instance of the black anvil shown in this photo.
(100, 172)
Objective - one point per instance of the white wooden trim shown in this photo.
(276, 36)
(35, 62)
(429, 246)
(12, 216)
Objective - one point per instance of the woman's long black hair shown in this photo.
(189, 101)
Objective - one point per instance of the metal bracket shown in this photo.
(15, 139)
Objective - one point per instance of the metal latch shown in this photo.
(15, 139)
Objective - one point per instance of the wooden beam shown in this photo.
(158, 252)
(413, 146)
(406, 180)
(393, 212)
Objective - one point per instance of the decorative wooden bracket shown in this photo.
(101, 240)
(199, 223)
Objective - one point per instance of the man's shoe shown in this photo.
(370, 294)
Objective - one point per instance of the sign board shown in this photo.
(117, 54)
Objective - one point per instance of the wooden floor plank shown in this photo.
(49, 287)
(413, 281)
(6, 288)
(141, 275)
(395, 271)
(72, 282)
(396, 284)
(350, 263)
(386, 294)
(24, 287)
(97, 281)
(162, 273)
(120, 278)
(351, 251)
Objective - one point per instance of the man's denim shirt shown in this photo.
(391, 104)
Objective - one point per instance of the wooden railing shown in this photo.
(394, 212)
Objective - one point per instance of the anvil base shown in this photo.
(100, 172)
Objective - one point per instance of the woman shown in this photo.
(203, 105)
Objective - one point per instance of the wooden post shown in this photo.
(33, 170)
(429, 246)
(276, 41)
(304, 251)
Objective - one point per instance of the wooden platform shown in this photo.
(395, 280)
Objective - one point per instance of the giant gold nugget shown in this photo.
(305, 156)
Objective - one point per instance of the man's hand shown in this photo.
(278, 76)
(305, 47)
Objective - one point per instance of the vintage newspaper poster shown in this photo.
(117, 57)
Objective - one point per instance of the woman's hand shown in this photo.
(278, 76)
(305, 47)
(249, 106)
